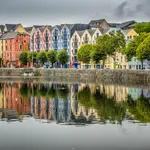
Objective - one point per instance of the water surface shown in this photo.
(50, 116)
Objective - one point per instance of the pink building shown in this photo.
(42, 39)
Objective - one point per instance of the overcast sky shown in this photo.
(52, 12)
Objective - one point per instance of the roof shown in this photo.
(70, 26)
(11, 35)
(126, 31)
(97, 21)
(11, 27)
(114, 24)
(91, 32)
(38, 26)
(28, 29)
(2, 28)
(126, 24)
(80, 33)
(42, 29)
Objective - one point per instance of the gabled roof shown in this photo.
(28, 29)
(126, 31)
(91, 32)
(11, 27)
(42, 29)
(80, 33)
(126, 24)
(70, 26)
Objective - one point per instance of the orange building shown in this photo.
(14, 101)
(13, 44)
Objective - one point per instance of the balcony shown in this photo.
(86, 39)
(64, 32)
(75, 40)
(75, 46)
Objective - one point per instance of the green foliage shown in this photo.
(143, 50)
(23, 57)
(142, 27)
(107, 108)
(63, 91)
(62, 57)
(131, 50)
(34, 55)
(42, 57)
(84, 52)
(117, 41)
(52, 56)
(139, 109)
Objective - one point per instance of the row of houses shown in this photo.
(15, 39)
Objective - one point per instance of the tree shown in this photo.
(62, 57)
(142, 27)
(32, 56)
(52, 56)
(98, 54)
(116, 43)
(23, 57)
(131, 50)
(84, 52)
(143, 50)
(42, 57)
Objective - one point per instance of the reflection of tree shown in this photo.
(63, 91)
(107, 108)
(139, 109)
(44, 90)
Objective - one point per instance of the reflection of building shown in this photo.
(61, 110)
(120, 93)
(43, 108)
(78, 111)
(14, 101)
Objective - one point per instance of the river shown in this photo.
(69, 116)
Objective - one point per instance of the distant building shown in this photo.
(42, 39)
(14, 28)
(13, 44)
(79, 38)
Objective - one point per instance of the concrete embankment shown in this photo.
(79, 75)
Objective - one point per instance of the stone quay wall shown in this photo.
(88, 75)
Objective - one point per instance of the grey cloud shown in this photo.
(53, 12)
(136, 9)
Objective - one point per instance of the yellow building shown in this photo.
(14, 28)
(79, 38)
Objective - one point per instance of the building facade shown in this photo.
(13, 44)
(79, 38)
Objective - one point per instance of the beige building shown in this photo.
(78, 39)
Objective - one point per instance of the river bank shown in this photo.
(80, 75)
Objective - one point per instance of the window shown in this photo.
(20, 47)
(97, 35)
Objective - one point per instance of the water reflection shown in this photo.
(74, 104)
